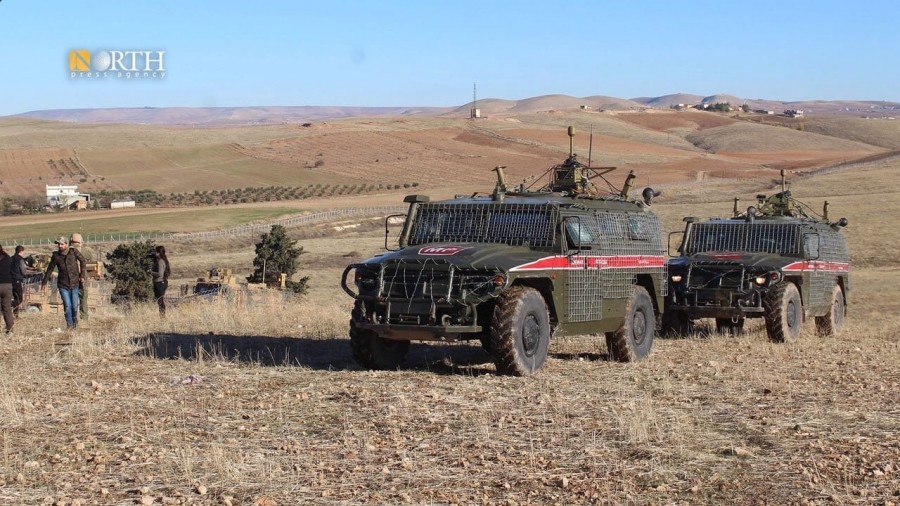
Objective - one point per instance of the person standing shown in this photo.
(160, 272)
(6, 290)
(70, 263)
(77, 242)
(18, 273)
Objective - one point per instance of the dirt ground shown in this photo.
(220, 404)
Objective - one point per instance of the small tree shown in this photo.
(129, 265)
(276, 253)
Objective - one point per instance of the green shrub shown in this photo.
(129, 265)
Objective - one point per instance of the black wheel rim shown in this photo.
(791, 314)
(531, 335)
(638, 327)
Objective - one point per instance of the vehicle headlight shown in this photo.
(676, 278)
(761, 280)
(364, 280)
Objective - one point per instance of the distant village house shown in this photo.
(67, 197)
(121, 203)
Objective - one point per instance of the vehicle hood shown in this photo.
(736, 258)
(466, 255)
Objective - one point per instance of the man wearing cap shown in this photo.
(77, 242)
(70, 263)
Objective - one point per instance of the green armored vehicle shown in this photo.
(775, 261)
(513, 268)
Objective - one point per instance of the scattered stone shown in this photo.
(736, 451)
(192, 379)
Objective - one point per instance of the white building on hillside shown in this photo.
(121, 203)
(66, 196)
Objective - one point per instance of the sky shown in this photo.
(429, 53)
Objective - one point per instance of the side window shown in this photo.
(638, 229)
(811, 246)
(578, 234)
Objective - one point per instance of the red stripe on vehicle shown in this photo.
(817, 265)
(602, 262)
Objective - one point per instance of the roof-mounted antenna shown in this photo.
(571, 132)
(591, 145)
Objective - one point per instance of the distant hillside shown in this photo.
(667, 101)
(238, 116)
(223, 116)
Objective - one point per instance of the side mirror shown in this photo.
(387, 230)
(676, 241)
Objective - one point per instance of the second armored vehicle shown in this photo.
(775, 261)
(512, 269)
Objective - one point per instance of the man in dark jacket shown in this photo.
(18, 273)
(71, 265)
(6, 294)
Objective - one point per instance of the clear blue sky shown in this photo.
(429, 52)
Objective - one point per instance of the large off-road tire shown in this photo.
(784, 312)
(634, 338)
(832, 323)
(675, 324)
(730, 327)
(370, 350)
(520, 332)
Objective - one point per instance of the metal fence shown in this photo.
(250, 229)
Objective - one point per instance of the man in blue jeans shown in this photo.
(71, 265)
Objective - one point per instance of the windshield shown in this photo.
(513, 224)
(755, 237)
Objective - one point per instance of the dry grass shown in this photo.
(109, 415)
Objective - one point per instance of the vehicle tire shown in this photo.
(729, 327)
(485, 343)
(784, 312)
(634, 338)
(370, 350)
(675, 324)
(520, 332)
(833, 321)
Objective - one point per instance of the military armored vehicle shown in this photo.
(512, 269)
(777, 260)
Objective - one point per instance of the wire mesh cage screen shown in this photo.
(752, 237)
(584, 295)
(503, 223)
